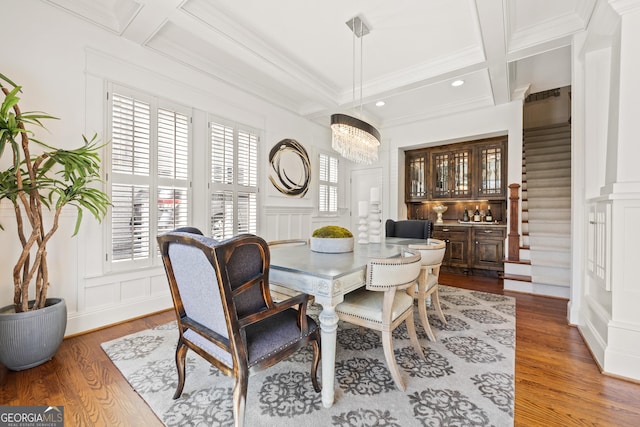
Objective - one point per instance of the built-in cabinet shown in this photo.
(472, 249)
(473, 170)
(462, 176)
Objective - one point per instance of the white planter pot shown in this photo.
(332, 245)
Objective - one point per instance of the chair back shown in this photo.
(215, 285)
(431, 253)
(387, 273)
(409, 228)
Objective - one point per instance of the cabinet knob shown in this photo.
(488, 231)
(445, 229)
(476, 242)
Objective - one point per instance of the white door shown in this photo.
(362, 180)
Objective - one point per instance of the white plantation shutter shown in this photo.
(222, 215)
(328, 184)
(221, 138)
(173, 209)
(247, 159)
(173, 144)
(173, 170)
(149, 174)
(247, 212)
(130, 136)
(234, 179)
(130, 222)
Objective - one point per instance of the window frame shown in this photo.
(153, 180)
(234, 188)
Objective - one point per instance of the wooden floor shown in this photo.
(557, 381)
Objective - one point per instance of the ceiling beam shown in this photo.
(492, 26)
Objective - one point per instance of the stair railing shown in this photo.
(514, 220)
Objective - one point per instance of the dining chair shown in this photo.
(225, 312)
(380, 307)
(409, 228)
(432, 255)
(278, 292)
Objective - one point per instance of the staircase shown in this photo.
(545, 255)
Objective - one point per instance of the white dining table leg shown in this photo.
(329, 328)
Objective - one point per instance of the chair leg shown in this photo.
(181, 354)
(422, 310)
(436, 303)
(411, 330)
(240, 397)
(314, 365)
(387, 345)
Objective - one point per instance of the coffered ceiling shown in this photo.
(299, 54)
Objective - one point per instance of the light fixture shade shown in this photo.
(354, 139)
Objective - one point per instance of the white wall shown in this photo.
(63, 65)
(607, 67)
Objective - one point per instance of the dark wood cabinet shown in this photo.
(463, 171)
(462, 176)
(488, 251)
(474, 249)
(457, 241)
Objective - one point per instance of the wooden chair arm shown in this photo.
(300, 300)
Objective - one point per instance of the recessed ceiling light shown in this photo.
(457, 83)
(380, 103)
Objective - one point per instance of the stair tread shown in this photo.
(551, 264)
(518, 277)
(520, 261)
(550, 281)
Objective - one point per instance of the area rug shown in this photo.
(467, 379)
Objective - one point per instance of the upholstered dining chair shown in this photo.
(409, 228)
(278, 292)
(380, 307)
(431, 254)
(225, 313)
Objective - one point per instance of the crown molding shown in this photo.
(624, 6)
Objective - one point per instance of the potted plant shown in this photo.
(332, 239)
(39, 180)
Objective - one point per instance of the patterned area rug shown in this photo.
(467, 380)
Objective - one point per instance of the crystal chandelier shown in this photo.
(354, 139)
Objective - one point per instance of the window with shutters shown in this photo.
(328, 184)
(233, 179)
(149, 178)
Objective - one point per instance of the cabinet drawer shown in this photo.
(493, 233)
(450, 232)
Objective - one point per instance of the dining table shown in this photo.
(328, 277)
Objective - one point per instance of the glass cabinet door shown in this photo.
(461, 186)
(416, 177)
(491, 171)
(441, 185)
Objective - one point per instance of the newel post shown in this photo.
(514, 220)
